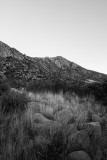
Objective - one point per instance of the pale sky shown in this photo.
(74, 29)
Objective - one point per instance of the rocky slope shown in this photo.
(14, 66)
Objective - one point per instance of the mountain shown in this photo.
(16, 67)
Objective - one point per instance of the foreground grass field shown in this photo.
(47, 126)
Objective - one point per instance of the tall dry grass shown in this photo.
(18, 139)
(82, 108)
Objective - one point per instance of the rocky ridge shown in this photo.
(14, 66)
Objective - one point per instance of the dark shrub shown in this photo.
(13, 101)
(4, 87)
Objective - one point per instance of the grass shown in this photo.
(21, 138)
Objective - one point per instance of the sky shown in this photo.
(73, 29)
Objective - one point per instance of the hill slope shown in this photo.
(14, 67)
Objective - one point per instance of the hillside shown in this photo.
(14, 66)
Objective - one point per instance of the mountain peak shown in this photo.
(60, 61)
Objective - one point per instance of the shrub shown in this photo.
(13, 101)
(4, 88)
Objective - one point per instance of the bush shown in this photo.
(13, 101)
(4, 87)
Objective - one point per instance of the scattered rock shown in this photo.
(64, 116)
(78, 141)
(78, 155)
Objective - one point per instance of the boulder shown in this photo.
(78, 155)
(64, 116)
(39, 118)
(78, 141)
(93, 129)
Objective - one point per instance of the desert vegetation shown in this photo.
(82, 89)
(44, 125)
